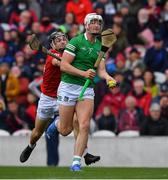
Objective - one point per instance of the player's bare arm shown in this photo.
(103, 73)
(66, 66)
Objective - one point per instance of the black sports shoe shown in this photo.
(89, 159)
(26, 154)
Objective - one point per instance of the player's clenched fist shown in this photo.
(90, 73)
(111, 82)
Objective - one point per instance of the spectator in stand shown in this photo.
(164, 107)
(165, 84)
(124, 11)
(40, 67)
(131, 116)
(125, 86)
(36, 29)
(69, 22)
(164, 23)
(24, 21)
(134, 60)
(1, 32)
(31, 109)
(117, 18)
(164, 12)
(107, 120)
(12, 46)
(153, 11)
(163, 91)
(154, 124)
(105, 8)
(20, 62)
(35, 6)
(4, 57)
(23, 84)
(74, 31)
(121, 42)
(31, 58)
(46, 27)
(134, 7)
(150, 84)
(144, 29)
(5, 11)
(120, 62)
(141, 30)
(114, 99)
(55, 9)
(15, 119)
(15, 38)
(156, 56)
(137, 73)
(19, 7)
(143, 98)
(9, 84)
(80, 8)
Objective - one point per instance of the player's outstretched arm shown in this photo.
(111, 82)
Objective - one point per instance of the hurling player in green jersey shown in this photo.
(77, 64)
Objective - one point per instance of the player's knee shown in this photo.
(85, 126)
(65, 131)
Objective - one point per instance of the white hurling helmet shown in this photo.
(89, 17)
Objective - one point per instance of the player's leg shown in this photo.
(40, 126)
(37, 132)
(89, 158)
(84, 110)
(64, 124)
(45, 112)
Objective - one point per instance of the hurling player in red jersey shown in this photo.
(47, 105)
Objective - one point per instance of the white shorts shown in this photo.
(68, 93)
(47, 107)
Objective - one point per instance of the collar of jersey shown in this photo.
(87, 38)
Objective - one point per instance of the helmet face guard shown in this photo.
(93, 16)
(54, 36)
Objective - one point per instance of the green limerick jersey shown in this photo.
(85, 53)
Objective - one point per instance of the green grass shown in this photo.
(86, 173)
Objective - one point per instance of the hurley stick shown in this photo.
(35, 44)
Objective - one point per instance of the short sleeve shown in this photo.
(72, 46)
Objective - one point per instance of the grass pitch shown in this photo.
(86, 173)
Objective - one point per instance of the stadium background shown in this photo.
(141, 52)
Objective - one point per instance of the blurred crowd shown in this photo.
(138, 61)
